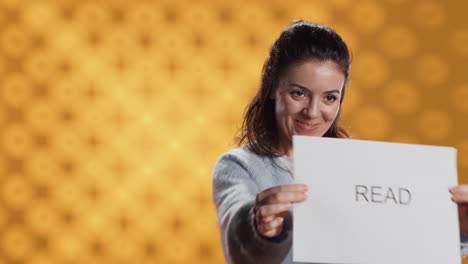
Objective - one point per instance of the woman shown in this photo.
(303, 85)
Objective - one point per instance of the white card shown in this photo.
(375, 203)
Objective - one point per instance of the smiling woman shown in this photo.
(307, 56)
(307, 100)
(302, 87)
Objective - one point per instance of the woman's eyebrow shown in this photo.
(298, 85)
(333, 91)
(303, 87)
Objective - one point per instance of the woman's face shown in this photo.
(307, 100)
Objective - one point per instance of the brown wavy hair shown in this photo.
(299, 42)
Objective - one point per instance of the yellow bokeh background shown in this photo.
(112, 113)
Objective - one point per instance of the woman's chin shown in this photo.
(308, 134)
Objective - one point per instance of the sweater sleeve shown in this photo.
(234, 194)
(463, 245)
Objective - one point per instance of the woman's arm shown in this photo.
(234, 194)
(460, 196)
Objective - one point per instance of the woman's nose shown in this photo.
(312, 109)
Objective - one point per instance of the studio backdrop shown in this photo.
(113, 113)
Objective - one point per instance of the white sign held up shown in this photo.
(375, 202)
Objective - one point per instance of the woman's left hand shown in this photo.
(460, 196)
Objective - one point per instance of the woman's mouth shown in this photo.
(306, 126)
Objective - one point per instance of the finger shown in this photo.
(460, 199)
(266, 219)
(278, 221)
(460, 193)
(285, 197)
(260, 219)
(282, 188)
(272, 225)
(273, 209)
(458, 202)
(272, 232)
(459, 189)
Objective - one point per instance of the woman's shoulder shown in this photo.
(245, 157)
(244, 162)
(243, 154)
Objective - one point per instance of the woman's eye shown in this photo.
(297, 93)
(331, 98)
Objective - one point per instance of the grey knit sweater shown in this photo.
(238, 176)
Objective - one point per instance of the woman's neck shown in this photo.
(286, 148)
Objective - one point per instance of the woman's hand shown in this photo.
(460, 196)
(273, 204)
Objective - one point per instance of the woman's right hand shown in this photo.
(273, 204)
